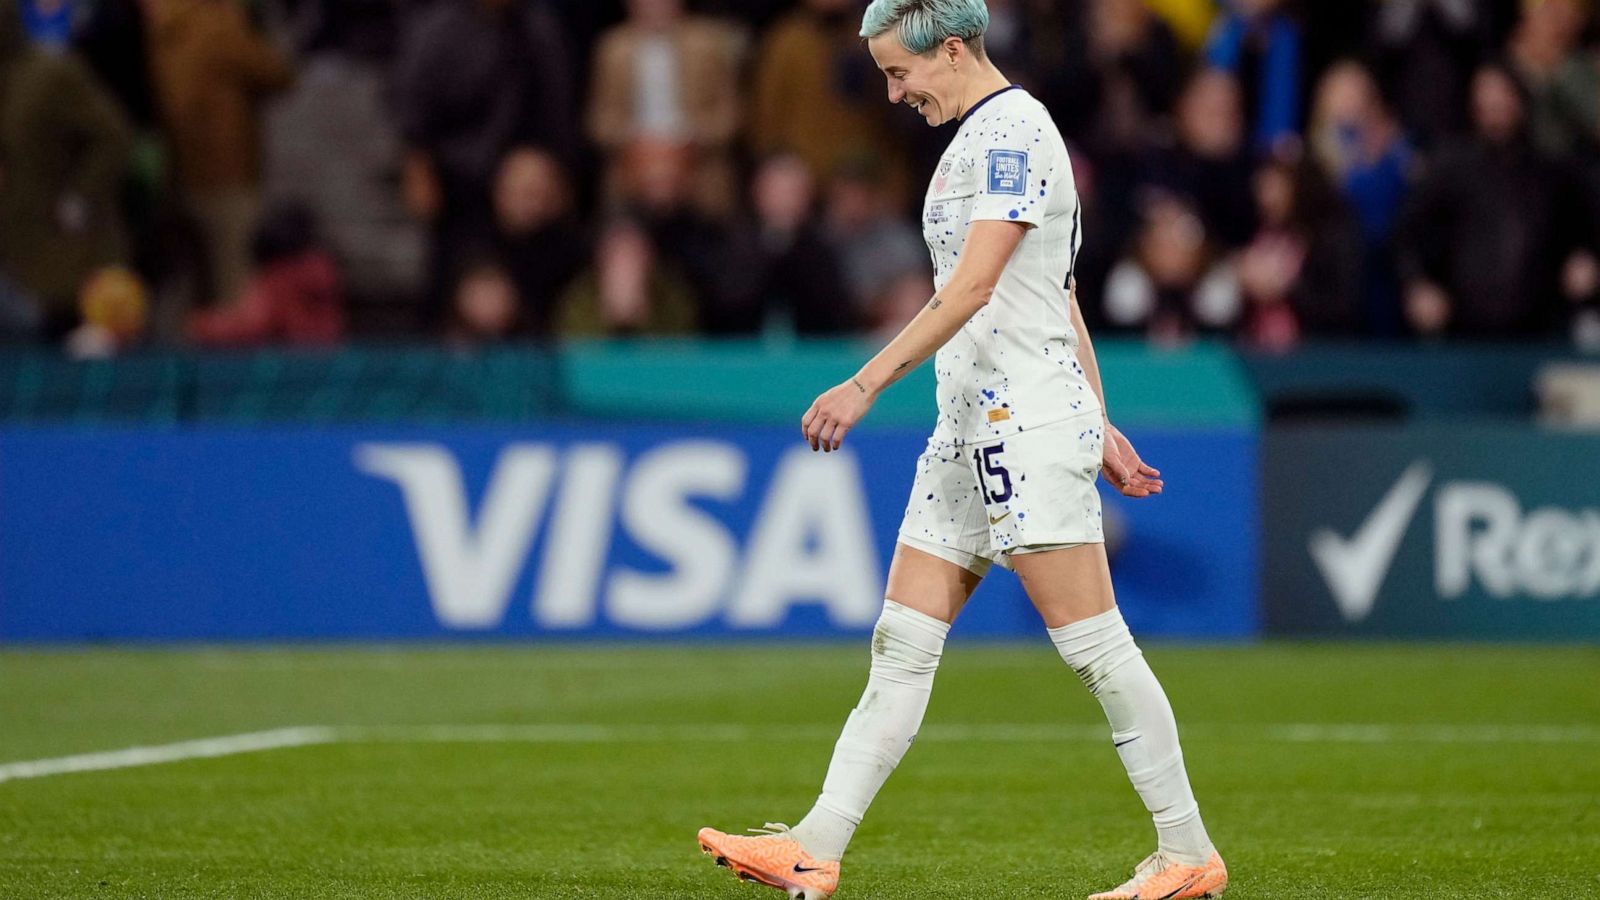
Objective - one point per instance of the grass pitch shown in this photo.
(1324, 771)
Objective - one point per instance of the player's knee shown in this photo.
(1096, 647)
(907, 641)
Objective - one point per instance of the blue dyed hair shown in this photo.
(922, 25)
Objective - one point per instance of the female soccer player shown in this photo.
(1009, 473)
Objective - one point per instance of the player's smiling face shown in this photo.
(927, 83)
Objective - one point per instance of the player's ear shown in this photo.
(954, 49)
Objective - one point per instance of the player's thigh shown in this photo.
(1066, 585)
(928, 584)
(943, 549)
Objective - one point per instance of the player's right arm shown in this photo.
(988, 248)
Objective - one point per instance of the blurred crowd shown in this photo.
(308, 172)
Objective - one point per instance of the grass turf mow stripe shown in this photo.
(308, 735)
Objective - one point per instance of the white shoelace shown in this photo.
(1152, 864)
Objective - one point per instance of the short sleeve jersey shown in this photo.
(1014, 365)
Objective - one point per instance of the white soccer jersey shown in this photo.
(1014, 365)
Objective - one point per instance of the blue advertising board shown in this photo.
(548, 531)
(1439, 529)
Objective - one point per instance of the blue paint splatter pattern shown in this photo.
(1014, 366)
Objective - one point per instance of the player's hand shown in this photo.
(1125, 470)
(835, 413)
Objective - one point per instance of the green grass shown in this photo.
(1471, 794)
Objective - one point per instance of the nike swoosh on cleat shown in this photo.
(1180, 888)
(802, 869)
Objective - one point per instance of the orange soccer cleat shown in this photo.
(775, 859)
(1161, 878)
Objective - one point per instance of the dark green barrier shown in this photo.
(383, 384)
(646, 381)
(1438, 530)
(44, 387)
(754, 382)
(1403, 380)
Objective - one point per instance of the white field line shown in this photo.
(282, 738)
(973, 733)
(204, 748)
(713, 734)
(1434, 734)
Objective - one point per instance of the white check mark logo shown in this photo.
(1355, 567)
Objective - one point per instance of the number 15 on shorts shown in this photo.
(986, 461)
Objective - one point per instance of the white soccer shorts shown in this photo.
(978, 504)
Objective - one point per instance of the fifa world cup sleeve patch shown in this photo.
(1008, 172)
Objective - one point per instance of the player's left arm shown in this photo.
(1121, 464)
(988, 248)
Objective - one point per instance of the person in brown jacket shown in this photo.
(64, 148)
(212, 71)
(817, 95)
(662, 75)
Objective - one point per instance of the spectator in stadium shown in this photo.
(1331, 32)
(366, 29)
(484, 306)
(212, 71)
(663, 75)
(1360, 146)
(63, 153)
(115, 308)
(19, 313)
(1045, 44)
(50, 23)
(1174, 282)
(1260, 44)
(1104, 180)
(1299, 274)
(1425, 52)
(656, 184)
(631, 290)
(332, 142)
(1209, 164)
(294, 294)
(1137, 71)
(1563, 80)
(875, 248)
(1496, 233)
(1137, 56)
(899, 303)
(543, 247)
(1189, 20)
(474, 79)
(816, 94)
(783, 274)
(113, 39)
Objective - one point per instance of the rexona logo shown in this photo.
(811, 541)
(1481, 536)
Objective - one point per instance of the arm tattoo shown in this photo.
(858, 385)
(936, 303)
(902, 367)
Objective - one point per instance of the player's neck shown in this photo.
(985, 82)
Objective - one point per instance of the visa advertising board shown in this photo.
(543, 532)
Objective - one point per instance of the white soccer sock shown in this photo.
(1103, 653)
(906, 646)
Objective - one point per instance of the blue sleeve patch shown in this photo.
(1008, 172)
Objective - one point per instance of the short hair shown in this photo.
(922, 25)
